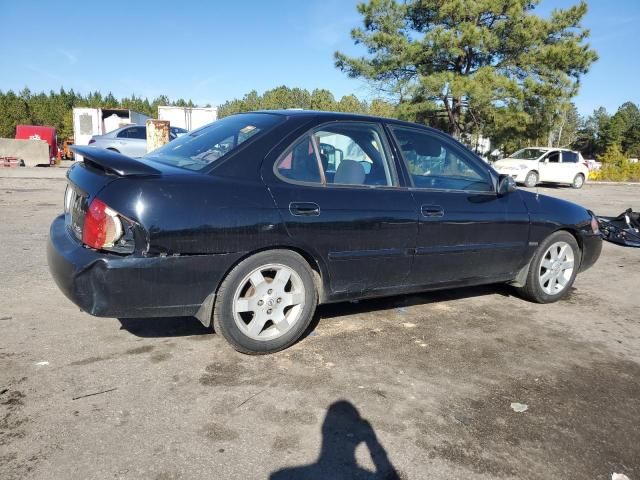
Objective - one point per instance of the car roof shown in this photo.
(547, 149)
(328, 116)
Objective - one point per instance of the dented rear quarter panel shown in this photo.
(198, 214)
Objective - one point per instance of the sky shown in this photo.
(215, 51)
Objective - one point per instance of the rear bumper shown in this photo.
(591, 248)
(107, 285)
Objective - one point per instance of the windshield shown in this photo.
(528, 154)
(200, 148)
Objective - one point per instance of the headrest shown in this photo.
(350, 172)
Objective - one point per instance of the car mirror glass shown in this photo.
(506, 184)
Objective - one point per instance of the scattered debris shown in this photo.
(619, 476)
(3, 391)
(249, 398)
(5, 318)
(94, 393)
(40, 364)
(519, 407)
(623, 229)
(409, 325)
(401, 310)
(463, 419)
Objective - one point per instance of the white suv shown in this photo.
(538, 164)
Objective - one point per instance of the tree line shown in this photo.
(55, 108)
(284, 97)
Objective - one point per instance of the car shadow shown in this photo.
(333, 310)
(550, 186)
(191, 326)
(343, 430)
(164, 327)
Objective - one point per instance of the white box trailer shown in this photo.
(88, 122)
(188, 118)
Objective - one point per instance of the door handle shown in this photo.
(432, 211)
(304, 209)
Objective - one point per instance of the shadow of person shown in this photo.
(342, 431)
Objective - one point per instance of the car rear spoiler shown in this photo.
(623, 229)
(114, 162)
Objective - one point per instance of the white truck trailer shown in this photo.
(188, 118)
(88, 122)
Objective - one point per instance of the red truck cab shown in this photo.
(38, 132)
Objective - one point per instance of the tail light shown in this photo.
(102, 226)
(92, 141)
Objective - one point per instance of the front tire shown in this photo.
(266, 302)
(578, 181)
(531, 180)
(553, 269)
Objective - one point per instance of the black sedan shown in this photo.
(252, 221)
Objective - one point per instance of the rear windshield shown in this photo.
(528, 154)
(201, 148)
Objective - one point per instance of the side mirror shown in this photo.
(506, 184)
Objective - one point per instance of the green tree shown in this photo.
(589, 136)
(473, 60)
(284, 97)
(13, 111)
(564, 131)
(613, 156)
(322, 99)
(351, 104)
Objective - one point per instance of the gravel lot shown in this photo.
(419, 385)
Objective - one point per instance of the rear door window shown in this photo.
(348, 153)
(569, 157)
(554, 157)
(353, 154)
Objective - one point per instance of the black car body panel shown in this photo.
(192, 227)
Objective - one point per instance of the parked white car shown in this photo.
(130, 140)
(531, 166)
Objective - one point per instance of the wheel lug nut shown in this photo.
(269, 312)
(279, 300)
(269, 291)
(260, 302)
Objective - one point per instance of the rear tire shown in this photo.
(531, 180)
(578, 181)
(266, 302)
(553, 269)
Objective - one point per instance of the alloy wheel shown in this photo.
(268, 302)
(578, 181)
(556, 268)
(531, 179)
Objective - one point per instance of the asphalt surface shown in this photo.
(413, 387)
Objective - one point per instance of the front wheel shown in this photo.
(266, 302)
(531, 180)
(578, 181)
(553, 269)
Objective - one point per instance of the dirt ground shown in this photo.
(414, 387)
